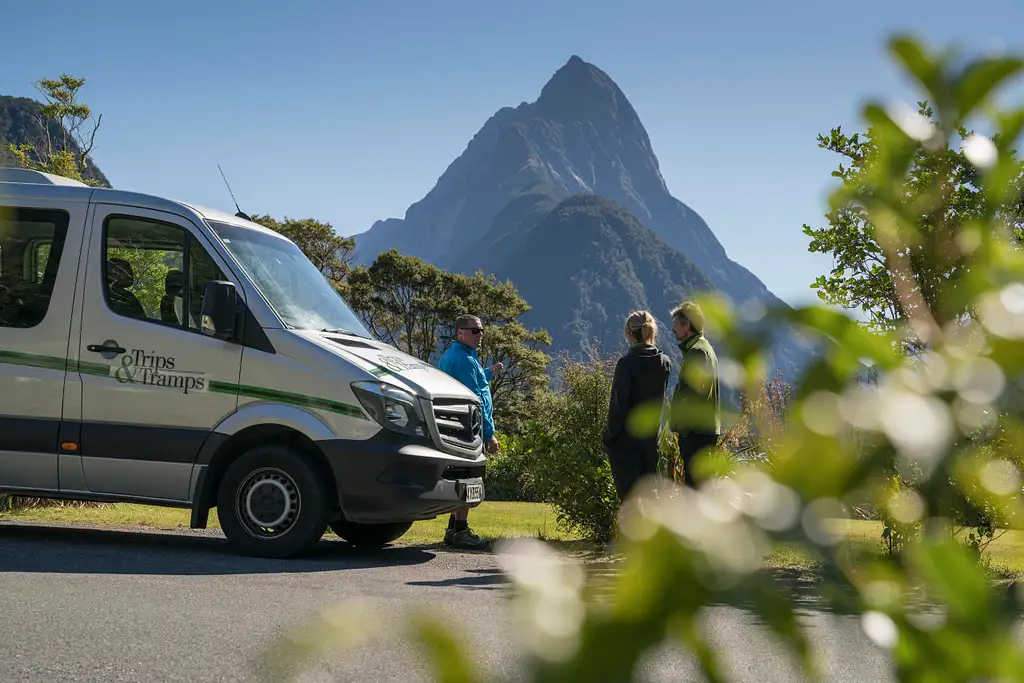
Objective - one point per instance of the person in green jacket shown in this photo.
(696, 413)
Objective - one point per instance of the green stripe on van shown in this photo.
(86, 368)
(33, 360)
(287, 397)
(101, 370)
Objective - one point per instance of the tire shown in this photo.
(272, 503)
(370, 535)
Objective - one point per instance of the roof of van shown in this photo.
(27, 175)
(40, 184)
(224, 217)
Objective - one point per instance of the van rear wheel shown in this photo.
(370, 535)
(271, 503)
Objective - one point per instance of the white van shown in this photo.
(160, 352)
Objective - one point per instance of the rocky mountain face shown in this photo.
(20, 123)
(590, 263)
(522, 201)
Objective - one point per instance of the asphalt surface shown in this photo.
(126, 605)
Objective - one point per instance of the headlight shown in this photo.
(391, 407)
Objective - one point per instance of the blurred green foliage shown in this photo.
(938, 430)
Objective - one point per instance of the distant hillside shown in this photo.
(587, 265)
(491, 207)
(20, 124)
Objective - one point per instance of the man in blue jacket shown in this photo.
(461, 362)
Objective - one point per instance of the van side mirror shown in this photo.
(220, 306)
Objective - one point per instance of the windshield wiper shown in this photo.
(339, 330)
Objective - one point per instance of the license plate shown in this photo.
(474, 493)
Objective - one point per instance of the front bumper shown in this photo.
(389, 478)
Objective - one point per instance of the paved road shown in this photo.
(125, 605)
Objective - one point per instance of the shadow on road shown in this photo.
(68, 550)
(803, 593)
(477, 579)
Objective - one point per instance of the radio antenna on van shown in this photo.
(239, 214)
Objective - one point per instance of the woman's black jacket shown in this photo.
(641, 376)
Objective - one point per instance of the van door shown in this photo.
(144, 421)
(39, 249)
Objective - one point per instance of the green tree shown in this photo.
(70, 132)
(406, 302)
(413, 305)
(518, 390)
(887, 277)
(331, 253)
(150, 267)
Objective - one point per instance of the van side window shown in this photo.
(148, 265)
(42, 257)
(26, 280)
(202, 271)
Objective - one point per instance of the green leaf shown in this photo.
(895, 151)
(443, 651)
(689, 633)
(347, 625)
(1010, 126)
(980, 79)
(644, 420)
(957, 580)
(909, 52)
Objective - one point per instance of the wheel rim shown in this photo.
(268, 503)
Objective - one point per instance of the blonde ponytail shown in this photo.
(641, 327)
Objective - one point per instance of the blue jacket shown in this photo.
(462, 363)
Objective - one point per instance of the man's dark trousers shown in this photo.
(689, 446)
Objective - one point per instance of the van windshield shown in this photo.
(295, 289)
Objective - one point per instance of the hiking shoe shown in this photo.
(465, 540)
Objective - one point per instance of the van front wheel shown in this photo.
(271, 503)
(370, 535)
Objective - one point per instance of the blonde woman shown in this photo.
(641, 377)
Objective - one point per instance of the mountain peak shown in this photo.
(502, 207)
(578, 86)
(576, 62)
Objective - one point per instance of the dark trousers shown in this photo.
(689, 446)
(631, 462)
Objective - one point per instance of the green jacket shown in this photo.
(695, 403)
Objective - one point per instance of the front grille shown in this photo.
(459, 423)
(453, 472)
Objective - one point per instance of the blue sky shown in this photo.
(349, 111)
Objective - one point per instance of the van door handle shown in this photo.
(107, 347)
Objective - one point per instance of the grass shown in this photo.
(491, 519)
(1004, 557)
(495, 520)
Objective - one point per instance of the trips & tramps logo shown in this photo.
(139, 367)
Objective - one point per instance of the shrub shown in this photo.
(561, 459)
(762, 418)
(670, 464)
(571, 469)
(509, 472)
(900, 525)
